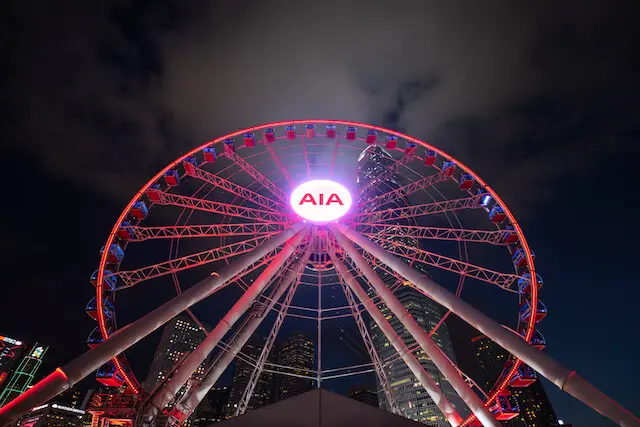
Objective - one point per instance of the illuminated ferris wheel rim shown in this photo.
(127, 375)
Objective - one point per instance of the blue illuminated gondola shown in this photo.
(191, 160)
(331, 131)
(109, 280)
(154, 193)
(519, 257)
(269, 135)
(525, 311)
(505, 407)
(209, 154)
(311, 131)
(351, 133)
(125, 231)
(115, 255)
(372, 136)
(95, 337)
(290, 132)
(509, 234)
(524, 283)
(466, 181)
(523, 377)
(410, 151)
(109, 376)
(107, 308)
(139, 210)
(497, 214)
(249, 139)
(392, 141)
(229, 146)
(537, 340)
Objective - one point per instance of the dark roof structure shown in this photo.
(319, 408)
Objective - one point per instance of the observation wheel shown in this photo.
(358, 246)
(229, 197)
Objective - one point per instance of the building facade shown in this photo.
(365, 395)
(23, 374)
(413, 401)
(299, 353)
(53, 415)
(11, 350)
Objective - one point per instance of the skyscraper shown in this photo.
(375, 178)
(11, 351)
(299, 353)
(263, 391)
(180, 336)
(364, 395)
(535, 408)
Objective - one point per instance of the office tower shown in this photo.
(263, 391)
(413, 401)
(299, 353)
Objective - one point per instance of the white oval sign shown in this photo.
(321, 200)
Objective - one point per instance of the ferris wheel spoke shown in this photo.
(259, 177)
(278, 162)
(219, 208)
(495, 237)
(133, 277)
(383, 177)
(194, 231)
(234, 188)
(418, 210)
(503, 280)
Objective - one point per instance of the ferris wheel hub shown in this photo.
(321, 200)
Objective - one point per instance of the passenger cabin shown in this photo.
(372, 136)
(172, 178)
(190, 165)
(249, 139)
(109, 376)
(430, 158)
(509, 235)
(115, 255)
(209, 154)
(505, 407)
(107, 308)
(310, 131)
(108, 280)
(484, 197)
(269, 135)
(331, 131)
(466, 181)
(125, 231)
(524, 283)
(154, 193)
(537, 340)
(497, 214)
(525, 311)
(520, 257)
(351, 133)
(229, 148)
(410, 150)
(392, 141)
(95, 337)
(139, 210)
(290, 132)
(449, 168)
(524, 377)
(191, 160)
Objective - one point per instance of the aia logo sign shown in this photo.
(321, 200)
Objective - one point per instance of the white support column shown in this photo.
(566, 380)
(434, 352)
(427, 382)
(181, 375)
(84, 365)
(191, 400)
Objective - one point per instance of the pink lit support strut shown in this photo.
(563, 378)
(423, 377)
(434, 352)
(124, 338)
(166, 393)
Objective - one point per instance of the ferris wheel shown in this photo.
(316, 222)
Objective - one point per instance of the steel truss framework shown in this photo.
(255, 233)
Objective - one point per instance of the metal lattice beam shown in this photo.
(194, 231)
(219, 208)
(418, 210)
(259, 177)
(404, 191)
(495, 237)
(133, 277)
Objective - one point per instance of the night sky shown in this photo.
(541, 102)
